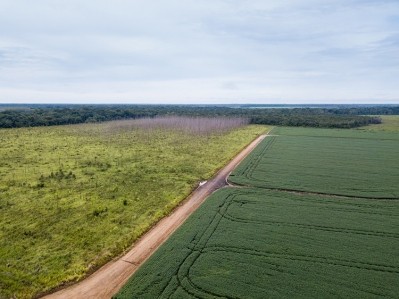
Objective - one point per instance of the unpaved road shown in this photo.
(106, 281)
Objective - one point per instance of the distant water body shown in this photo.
(309, 106)
(280, 107)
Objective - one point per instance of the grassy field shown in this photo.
(390, 123)
(254, 243)
(72, 197)
(342, 162)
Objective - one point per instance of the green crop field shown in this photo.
(73, 197)
(254, 243)
(341, 162)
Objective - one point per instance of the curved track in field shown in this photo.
(111, 277)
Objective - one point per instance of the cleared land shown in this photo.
(341, 162)
(251, 242)
(73, 197)
(109, 279)
(248, 243)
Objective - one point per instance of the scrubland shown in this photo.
(390, 123)
(72, 197)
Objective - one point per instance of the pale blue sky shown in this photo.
(193, 51)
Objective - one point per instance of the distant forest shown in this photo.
(15, 116)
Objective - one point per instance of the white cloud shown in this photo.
(199, 51)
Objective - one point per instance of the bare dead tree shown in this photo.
(189, 125)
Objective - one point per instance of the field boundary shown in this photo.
(280, 239)
(247, 179)
(295, 191)
(106, 281)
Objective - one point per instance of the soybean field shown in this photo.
(340, 162)
(255, 243)
(315, 216)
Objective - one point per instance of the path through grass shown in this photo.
(72, 197)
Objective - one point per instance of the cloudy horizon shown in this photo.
(199, 52)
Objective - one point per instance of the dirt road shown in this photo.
(111, 277)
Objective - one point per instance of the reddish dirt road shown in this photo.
(111, 277)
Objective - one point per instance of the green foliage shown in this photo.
(259, 243)
(390, 123)
(325, 116)
(73, 197)
(312, 118)
(254, 243)
(341, 162)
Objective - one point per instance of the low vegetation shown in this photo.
(254, 243)
(389, 123)
(72, 197)
(341, 162)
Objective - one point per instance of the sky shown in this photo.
(199, 51)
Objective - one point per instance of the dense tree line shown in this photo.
(374, 110)
(326, 117)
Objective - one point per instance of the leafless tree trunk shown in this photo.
(190, 125)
